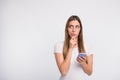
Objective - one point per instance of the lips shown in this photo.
(73, 34)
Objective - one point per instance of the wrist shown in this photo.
(70, 49)
(83, 64)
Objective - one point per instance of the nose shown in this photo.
(74, 29)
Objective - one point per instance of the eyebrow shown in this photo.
(73, 25)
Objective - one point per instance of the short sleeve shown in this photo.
(58, 47)
(89, 49)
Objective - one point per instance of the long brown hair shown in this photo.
(67, 37)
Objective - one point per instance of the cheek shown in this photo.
(78, 32)
(69, 31)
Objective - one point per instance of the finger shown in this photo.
(75, 42)
(72, 38)
(81, 59)
(75, 39)
(78, 60)
(84, 58)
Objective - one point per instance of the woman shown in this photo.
(70, 66)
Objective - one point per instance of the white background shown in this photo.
(30, 28)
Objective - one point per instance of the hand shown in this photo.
(73, 42)
(82, 60)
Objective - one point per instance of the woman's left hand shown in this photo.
(86, 62)
(82, 60)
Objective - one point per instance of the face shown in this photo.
(74, 29)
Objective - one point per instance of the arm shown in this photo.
(87, 66)
(63, 64)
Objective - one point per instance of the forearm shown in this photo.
(66, 63)
(87, 69)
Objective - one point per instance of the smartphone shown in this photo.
(80, 55)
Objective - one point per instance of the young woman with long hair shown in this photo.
(69, 64)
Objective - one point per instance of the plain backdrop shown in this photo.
(30, 28)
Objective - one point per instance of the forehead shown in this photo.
(74, 22)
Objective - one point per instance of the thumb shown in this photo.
(74, 38)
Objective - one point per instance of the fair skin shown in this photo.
(64, 64)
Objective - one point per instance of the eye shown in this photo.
(70, 26)
(77, 26)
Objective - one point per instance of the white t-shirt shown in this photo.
(75, 71)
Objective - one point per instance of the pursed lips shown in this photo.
(72, 34)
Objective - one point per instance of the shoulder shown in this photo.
(88, 47)
(58, 47)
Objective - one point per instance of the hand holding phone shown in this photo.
(82, 57)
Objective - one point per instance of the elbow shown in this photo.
(89, 73)
(63, 73)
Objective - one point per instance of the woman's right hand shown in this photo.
(73, 43)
